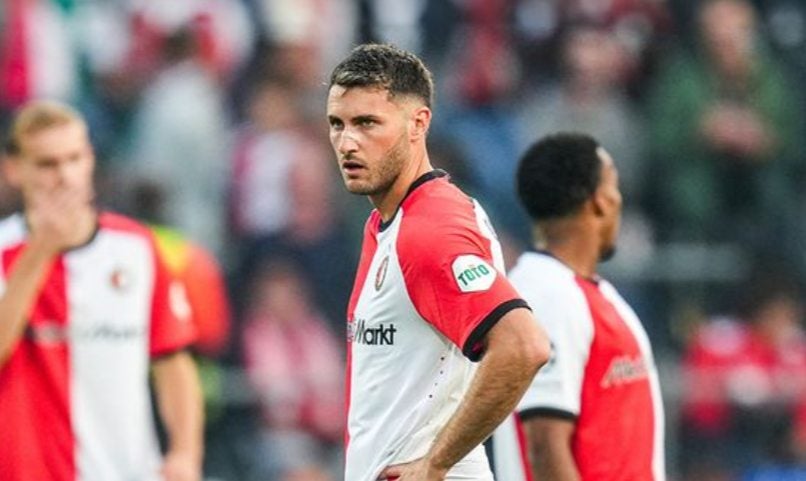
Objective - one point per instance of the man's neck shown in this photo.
(88, 227)
(84, 230)
(572, 243)
(388, 202)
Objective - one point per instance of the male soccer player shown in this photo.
(86, 307)
(430, 295)
(594, 412)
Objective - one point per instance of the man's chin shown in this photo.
(358, 188)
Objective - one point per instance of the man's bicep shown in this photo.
(454, 286)
(516, 329)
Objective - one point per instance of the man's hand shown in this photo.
(56, 218)
(181, 467)
(419, 470)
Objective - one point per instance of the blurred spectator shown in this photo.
(726, 128)
(482, 75)
(396, 22)
(287, 22)
(294, 363)
(590, 98)
(37, 53)
(745, 378)
(180, 143)
(221, 29)
(638, 26)
(786, 23)
(293, 40)
(282, 194)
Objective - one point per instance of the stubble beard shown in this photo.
(387, 172)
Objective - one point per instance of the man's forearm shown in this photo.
(180, 402)
(504, 373)
(23, 285)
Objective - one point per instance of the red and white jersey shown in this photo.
(601, 375)
(74, 392)
(430, 285)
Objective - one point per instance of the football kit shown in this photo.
(429, 286)
(601, 376)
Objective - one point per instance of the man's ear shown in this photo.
(598, 203)
(421, 121)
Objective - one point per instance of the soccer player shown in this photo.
(86, 308)
(594, 412)
(430, 297)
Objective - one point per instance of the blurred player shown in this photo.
(594, 412)
(429, 297)
(86, 308)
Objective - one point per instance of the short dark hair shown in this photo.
(558, 174)
(388, 67)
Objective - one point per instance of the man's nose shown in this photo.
(347, 143)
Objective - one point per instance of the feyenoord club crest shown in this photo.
(120, 279)
(380, 276)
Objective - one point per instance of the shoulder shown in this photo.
(111, 222)
(437, 215)
(118, 222)
(538, 276)
(552, 291)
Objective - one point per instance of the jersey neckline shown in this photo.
(428, 176)
(596, 279)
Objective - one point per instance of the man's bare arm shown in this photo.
(181, 408)
(22, 289)
(549, 446)
(516, 347)
(56, 221)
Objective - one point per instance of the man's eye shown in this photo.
(367, 122)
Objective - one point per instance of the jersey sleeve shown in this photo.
(171, 327)
(557, 388)
(452, 282)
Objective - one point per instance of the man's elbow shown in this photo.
(536, 349)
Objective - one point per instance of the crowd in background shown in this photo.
(208, 117)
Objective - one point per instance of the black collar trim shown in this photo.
(428, 176)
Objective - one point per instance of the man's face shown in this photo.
(369, 132)
(56, 158)
(611, 205)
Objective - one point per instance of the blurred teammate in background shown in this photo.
(87, 307)
(594, 412)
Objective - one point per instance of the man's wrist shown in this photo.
(436, 466)
(193, 455)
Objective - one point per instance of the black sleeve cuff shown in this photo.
(546, 413)
(474, 348)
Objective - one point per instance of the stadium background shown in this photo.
(208, 117)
